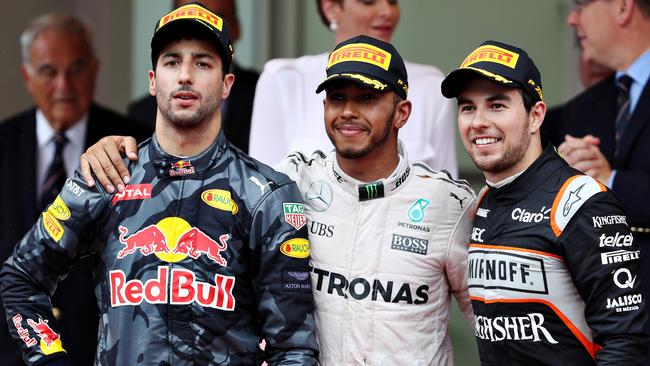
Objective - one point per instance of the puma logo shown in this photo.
(460, 201)
(259, 184)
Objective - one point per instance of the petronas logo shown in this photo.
(371, 191)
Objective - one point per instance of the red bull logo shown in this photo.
(22, 332)
(172, 239)
(177, 287)
(181, 168)
(50, 340)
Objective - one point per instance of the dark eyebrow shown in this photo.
(202, 55)
(463, 100)
(499, 96)
(171, 54)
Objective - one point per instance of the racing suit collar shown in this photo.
(170, 166)
(528, 180)
(366, 191)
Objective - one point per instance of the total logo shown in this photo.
(133, 192)
(521, 215)
(172, 239)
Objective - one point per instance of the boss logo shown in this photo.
(409, 244)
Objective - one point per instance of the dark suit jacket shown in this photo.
(236, 122)
(75, 295)
(593, 112)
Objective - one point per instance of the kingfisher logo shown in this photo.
(172, 239)
(513, 328)
(492, 54)
(193, 12)
(133, 192)
(360, 52)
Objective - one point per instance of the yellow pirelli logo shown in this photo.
(491, 54)
(193, 12)
(360, 52)
(52, 226)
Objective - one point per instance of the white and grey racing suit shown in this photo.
(386, 257)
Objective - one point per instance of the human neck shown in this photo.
(370, 167)
(187, 142)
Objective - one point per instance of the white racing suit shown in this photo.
(385, 257)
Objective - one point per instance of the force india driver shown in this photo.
(199, 259)
(389, 237)
(553, 266)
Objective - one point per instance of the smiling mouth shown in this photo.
(486, 141)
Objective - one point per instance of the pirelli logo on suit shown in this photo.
(360, 52)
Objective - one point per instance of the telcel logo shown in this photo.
(617, 240)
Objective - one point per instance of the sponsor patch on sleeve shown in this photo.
(573, 194)
(295, 248)
(52, 226)
(50, 340)
(296, 280)
(59, 209)
(294, 214)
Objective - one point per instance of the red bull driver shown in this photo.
(389, 236)
(203, 253)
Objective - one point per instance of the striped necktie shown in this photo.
(55, 176)
(622, 107)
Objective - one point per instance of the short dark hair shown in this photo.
(644, 6)
(527, 99)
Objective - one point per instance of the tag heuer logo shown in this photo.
(294, 214)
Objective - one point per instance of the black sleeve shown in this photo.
(603, 258)
(42, 259)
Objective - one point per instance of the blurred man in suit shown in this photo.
(237, 109)
(605, 131)
(40, 147)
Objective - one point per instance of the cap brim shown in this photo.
(455, 82)
(360, 79)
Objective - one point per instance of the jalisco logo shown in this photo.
(295, 248)
(133, 192)
(360, 52)
(59, 209)
(172, 239)
(294, 214)
(52, 226)
(416, 211)
(220, 199)
(491, 54)
(625, 303)
(193, 12)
